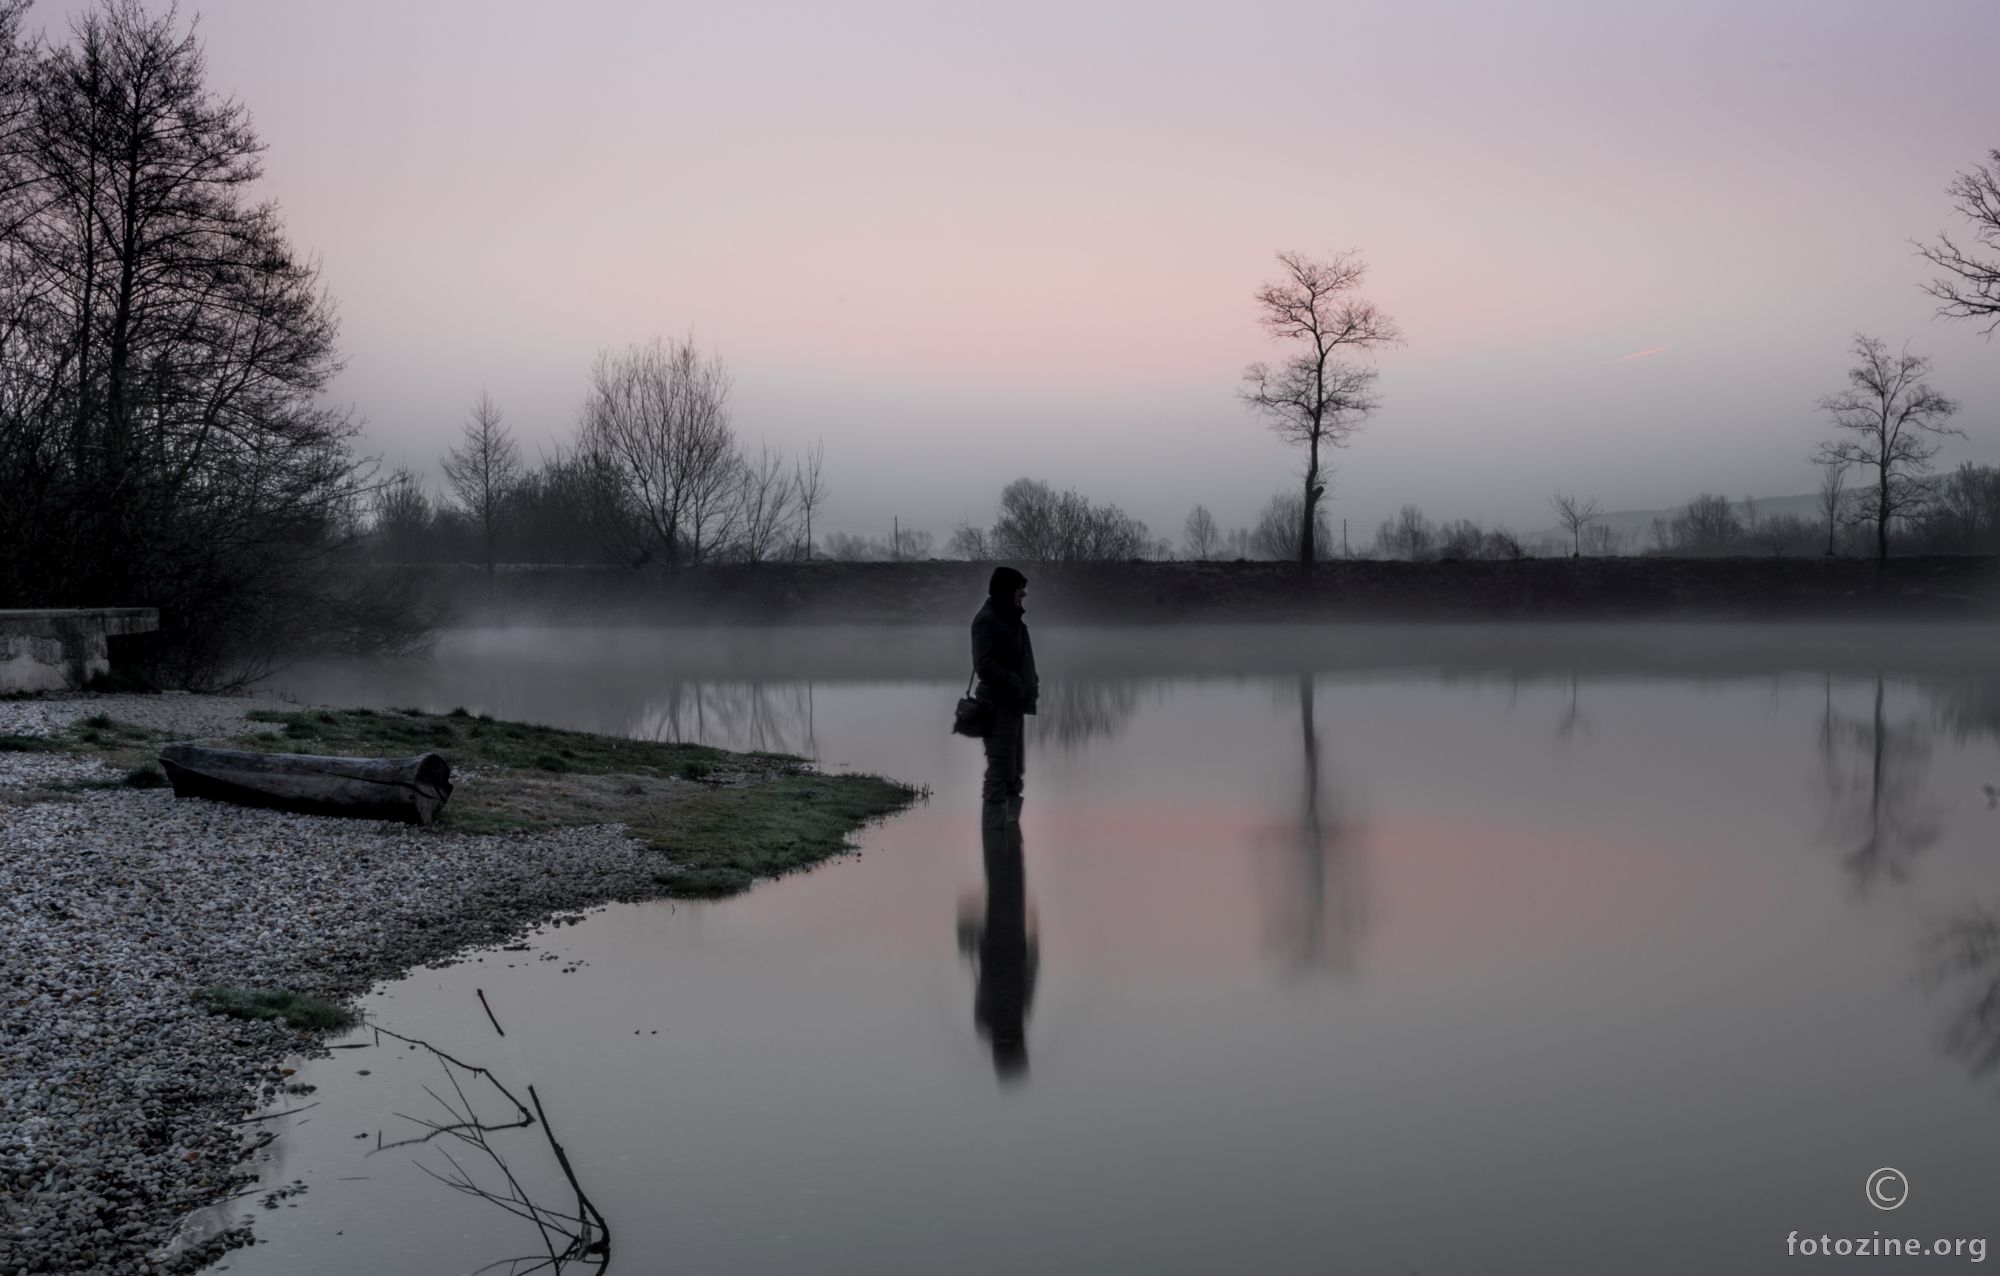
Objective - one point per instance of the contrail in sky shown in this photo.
(1636, 354)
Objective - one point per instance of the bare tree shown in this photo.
(402, 517)
(1202, 535)
(811, 492)
(1575, 515)
(766, 506)
(1894, 422)
(1832, 498)
(483, 470)
(970, 543)
(163, 355)
(655, 423)
(1039, 524)
(1408, 535)
(1278, 523)
(1970, 286)
(907, 544)
(1605, 542)
(1707, 524)
(1318, 396)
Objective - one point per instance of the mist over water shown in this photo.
(1390, 950)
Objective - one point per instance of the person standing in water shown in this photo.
(1003, 660)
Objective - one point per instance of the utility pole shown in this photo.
(896, 538)
(1343, 539)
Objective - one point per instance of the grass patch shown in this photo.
(722, 819)
(99, 736)
(301, 1010)
(145, 777)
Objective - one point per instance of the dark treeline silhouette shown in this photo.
(654, 474)
(163, 349)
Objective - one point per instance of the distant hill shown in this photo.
(1638, 524)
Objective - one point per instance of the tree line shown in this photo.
(653, 475)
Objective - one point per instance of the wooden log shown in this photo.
(411, 790)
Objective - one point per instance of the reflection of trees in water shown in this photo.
(999, 942)
(1881, 812)
(773, 717)
(1075, 711)
(1317, 906)
(1964, 953)
(1573, 719)
(778, 716)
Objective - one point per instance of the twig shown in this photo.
(489, 1012)
(562, 1158)
(272, 1116)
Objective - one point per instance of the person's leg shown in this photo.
(1019, 768)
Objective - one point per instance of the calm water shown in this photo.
(1379, 955)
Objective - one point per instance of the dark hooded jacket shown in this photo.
(1003, 658)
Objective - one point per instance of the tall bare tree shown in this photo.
(810, 490)
(483, 469)
(1893, 423)
(1575, 515)
(1969, 288)
(163, 350)
(1202, 535)
(655, 424)
(1832, 502)
(1320, 395)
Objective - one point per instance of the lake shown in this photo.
(1373, 949)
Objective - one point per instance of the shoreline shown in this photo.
(121, 1099)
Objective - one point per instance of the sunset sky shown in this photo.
(1629, 245)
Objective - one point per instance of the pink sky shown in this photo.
(963, 244)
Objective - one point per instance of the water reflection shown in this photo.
(1964, 952)
(752, 716)
(1316, 902)
(1000, 944)
(1074, 712)
(1573, 719)
(1874, 772)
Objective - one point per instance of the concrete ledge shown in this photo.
(63, 649)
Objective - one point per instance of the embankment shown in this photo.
(1959, 587)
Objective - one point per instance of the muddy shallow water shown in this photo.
(1633, 955)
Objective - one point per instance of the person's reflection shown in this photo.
(1003, 952)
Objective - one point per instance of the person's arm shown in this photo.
(990, 670)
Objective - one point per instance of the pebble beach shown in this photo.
(123, 1104)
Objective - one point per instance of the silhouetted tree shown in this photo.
(969, 543)
(1894, 421)
(1318, 396)
(162, 354)
(766, 507)
(811, 490)
(403, 519)
(1408, 535)
(1039, 524)
(1832, 498)
(1707, 524)
(1575, 515)
(1276, 533)
(1970, 286)
(656, 428)
(483, 470)
(1201, 534)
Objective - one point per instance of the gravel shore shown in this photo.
(117, 1093)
